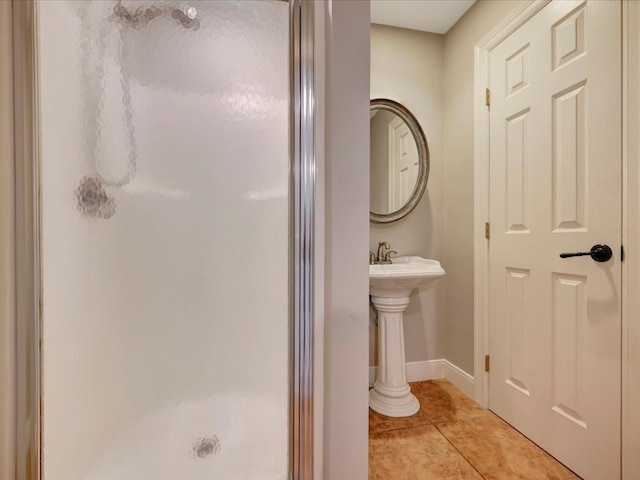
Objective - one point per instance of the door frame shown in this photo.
(631, 240)
(391, 172)
(630, 428)
(391, 137)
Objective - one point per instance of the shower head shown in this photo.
(187, 17)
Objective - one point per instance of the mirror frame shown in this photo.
(423, 153)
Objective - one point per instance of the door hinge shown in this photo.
(622, 253)
(487, 230)
(487, 97)
(487, 363)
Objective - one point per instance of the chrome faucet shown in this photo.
(382, 256)
(381, 248)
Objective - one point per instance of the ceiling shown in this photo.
(435, 16)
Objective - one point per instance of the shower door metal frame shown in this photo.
(24, 242)
(302, 195)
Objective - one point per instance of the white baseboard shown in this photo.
(416, 371)
(460, 379)
(433, 369)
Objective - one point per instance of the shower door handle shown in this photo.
(600, 253)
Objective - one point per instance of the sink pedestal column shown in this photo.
(391, 395)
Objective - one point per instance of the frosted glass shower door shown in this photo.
(164, 176)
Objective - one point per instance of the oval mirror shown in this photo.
(399, 162)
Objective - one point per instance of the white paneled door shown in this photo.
(404, 164)
(556, 176)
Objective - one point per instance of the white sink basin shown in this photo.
(390, 286)
(402, 276)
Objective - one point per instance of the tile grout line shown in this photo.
(457, 450)
(435, 425)
(430, 422)
(469, 460)
(574, 476)
(393, 429)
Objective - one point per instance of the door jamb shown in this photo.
(631, 240)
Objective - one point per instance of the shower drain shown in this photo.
(206, 446)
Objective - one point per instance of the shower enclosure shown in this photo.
(164, 246)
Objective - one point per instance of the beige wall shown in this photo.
(459, 44)
(407, 66)
(433, 76)
(347, 228)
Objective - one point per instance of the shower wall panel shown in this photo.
(165, 239)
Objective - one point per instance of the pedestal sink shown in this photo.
(389, 287)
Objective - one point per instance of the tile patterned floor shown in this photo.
(452, 438)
